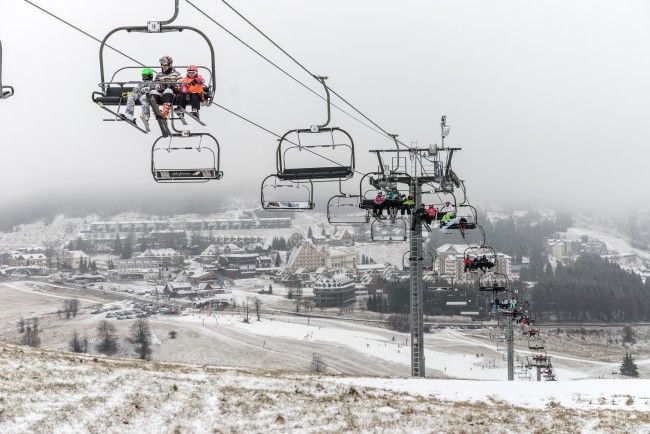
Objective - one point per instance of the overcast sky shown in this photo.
(550, 100)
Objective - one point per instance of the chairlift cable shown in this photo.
(82, 31)
(304, 68)
(275, 65)
(142, 64)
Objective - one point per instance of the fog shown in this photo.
(549, 100)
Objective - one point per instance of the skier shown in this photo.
(407, 204)
(467, 262)
(164, 93)
(140, 92)
(378, 203)
(446, 218)
(432, 212)
(192, 90)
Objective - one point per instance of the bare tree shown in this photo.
(317, 364)
(246, 307)
(141, 338)
(257, 304)
(32, 337)
(107, 338)
(21, 325)
(71, 308)
(79, 344)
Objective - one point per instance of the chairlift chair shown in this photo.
(385, 182)
(384, 231)
(309, 143)
(428, 259)
(466, 218)
(5, 91)
(114, 93)
(476, 254)
(171, 171)
(536, 344)
(278, 195)
(493, 282)
(344, 208)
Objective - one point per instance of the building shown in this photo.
(163, 256)
(72, 259)
(310, 258)
(559, 249)
(342, 259)
(307, 257)
(342, 237)
(141, 269)
(239, 265)
(19, 259)
(166, 233)
(335, 291)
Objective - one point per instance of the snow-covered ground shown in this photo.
(50, 392)
(614, 243)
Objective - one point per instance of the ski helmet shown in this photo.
(192, 68)
(166, 60)
(147, 73)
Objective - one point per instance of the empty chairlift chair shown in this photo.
(278, 195)
(387, 232)
(318, 153)
(113, 94)
(5, 91)
(344, 208)
(186, 158)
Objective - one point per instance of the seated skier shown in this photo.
(192, 90)
(446, 218)
(407, 204)
(432, 212)
(141, 93)
(164, 92)
(467, 262)
(378, 203)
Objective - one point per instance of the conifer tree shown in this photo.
(628, 367)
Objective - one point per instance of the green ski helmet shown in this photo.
(147, 73)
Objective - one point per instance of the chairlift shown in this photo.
(374, 182)
(536, 344)
(483, 258)
(428, 259)
(493, 282)
(299, 154)
(466, 218)
(344, 208)
(167, 169)
(5, 91)
(387, 231)
(114, 93)
(278, 195)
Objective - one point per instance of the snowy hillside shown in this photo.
(50, 392)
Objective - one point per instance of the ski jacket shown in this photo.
(393, 195)
(192, 84)
(408, 202)
(432, 212)
(447, 217)
(379, 199)
(172, 76)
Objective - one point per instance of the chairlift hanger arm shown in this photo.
(328, 101)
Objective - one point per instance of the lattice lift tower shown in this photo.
(417, 167)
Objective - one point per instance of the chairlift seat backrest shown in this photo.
(334, 167)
